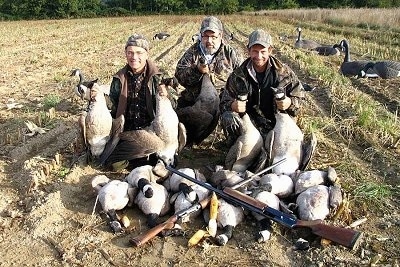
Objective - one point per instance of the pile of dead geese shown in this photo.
(288, 187)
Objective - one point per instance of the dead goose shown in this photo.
(307, 179)
(95, 122)
(201, 118)
(164, 137)
(304, 43)
(155, 206)
(247, 147)
(386, 69)
(189, 195)
(113, 195)
(327, 50)
(141, 178)
(313, 203)
(228, 217)
(185, 192)
(286, 140)
(348, 67)
(280, 185)
(271, 200)
(225, 178)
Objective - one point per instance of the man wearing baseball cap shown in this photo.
(210, 54)
(132, 94)
(249, 89)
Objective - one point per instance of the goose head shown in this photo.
(298, 29)
(80, 89)
(346, 49)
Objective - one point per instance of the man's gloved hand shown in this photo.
(162, 90)
(238, 106)
(202, 66)
(283, 104)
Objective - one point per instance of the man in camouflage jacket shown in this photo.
(208, 55)
(249, 89)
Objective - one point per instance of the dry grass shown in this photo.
(377, 17)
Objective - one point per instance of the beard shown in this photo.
(209, 50)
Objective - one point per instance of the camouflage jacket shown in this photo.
(260, 105)
(117, 100)
(226, 59)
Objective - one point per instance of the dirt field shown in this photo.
(47, 213)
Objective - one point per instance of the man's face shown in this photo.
(211, 41)
(136, 58)
(259, 55)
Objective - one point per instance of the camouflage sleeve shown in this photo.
(186, 70)
(113, 99)
(236, 58)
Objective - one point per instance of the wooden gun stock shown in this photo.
(343, 236)
(168, 224)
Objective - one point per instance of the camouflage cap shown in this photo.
(259, 37)
(137, 40)
(211, 24)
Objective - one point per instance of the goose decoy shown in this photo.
(386, 69)
(113, 195)
(202, 117)
(327, 50)
(348, 67)
(304, 43)
(196, 37)
(161, 36)
(95, 122)
(155, 206)
(247, 147)
(165, 137)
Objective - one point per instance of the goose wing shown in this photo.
(136, 144)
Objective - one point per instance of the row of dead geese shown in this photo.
(306, 194)
(386, 69)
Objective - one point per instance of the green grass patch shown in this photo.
(375, 193)
(51, 101)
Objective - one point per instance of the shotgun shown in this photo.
(343, 236)
(168, 224)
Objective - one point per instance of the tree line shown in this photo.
(57, 9)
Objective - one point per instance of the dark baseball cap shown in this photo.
(260, 37)
(211, 24)
(137, 40)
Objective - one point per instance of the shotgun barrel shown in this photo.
(343, 236)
